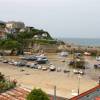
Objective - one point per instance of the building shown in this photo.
(15, 25)
(92, 94)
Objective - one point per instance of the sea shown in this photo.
(82, 41)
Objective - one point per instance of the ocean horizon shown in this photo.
(82, 41)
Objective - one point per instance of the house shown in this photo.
(15, 25)
(92, 94)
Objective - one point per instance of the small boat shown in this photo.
(96, 66)
(28, 64)
(41, 60)
(52, 68)
(32, 65)
(44, 68)
(64, 54)
(87, 53)
(81, 72)
(66, 71)
(98, 58)
(5, 61)
(11, 62)
(76, 71)
(39, 67)
(58, 69)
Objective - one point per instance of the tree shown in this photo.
(1, 77)
(11, 44)
(37, 94)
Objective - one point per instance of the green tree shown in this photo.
(37, 94)
(1, 77)
(11, 44)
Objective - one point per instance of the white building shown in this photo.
(15, 25)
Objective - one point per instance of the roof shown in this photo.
(88, 95)
(97, 98)
(20, 93)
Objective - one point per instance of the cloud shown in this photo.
(60, 17)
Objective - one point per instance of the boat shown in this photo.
(52, 68)
(64, 54)
(98, 58)
(41, 60)
(58, 69)
(44, 68)
(5, 61)
(66, 71)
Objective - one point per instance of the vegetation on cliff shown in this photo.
(22, 40)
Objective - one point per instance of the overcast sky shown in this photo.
(62, 18)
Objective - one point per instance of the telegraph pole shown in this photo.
(79, 85)
(54, 92)
(99, 80)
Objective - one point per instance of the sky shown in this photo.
(61, 18)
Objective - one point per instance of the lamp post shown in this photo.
(78, 89)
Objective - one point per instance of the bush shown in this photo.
(37, 94)
(5, 84)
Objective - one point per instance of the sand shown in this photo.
(46, 80)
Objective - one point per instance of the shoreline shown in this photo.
(83, 42)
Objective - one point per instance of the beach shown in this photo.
(46, 80)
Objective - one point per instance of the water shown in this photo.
(82, 41)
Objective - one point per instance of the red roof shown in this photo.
(97, 98)
(86, 93)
